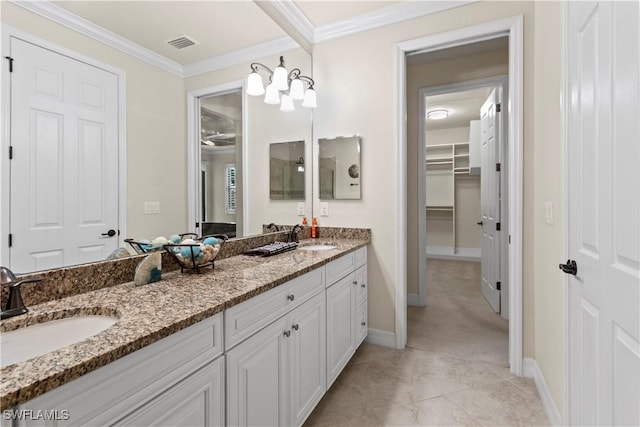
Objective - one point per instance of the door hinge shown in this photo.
(10, 239)
(10, 152)
(498, 167)
(10, 59)
(497, 226)
(118, 231)
(509, 238)
(499, 286)
(498, 108)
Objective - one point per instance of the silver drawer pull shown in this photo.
(363, 285)
(355, 282)
(295, 327)
(364, 323)
(287, 334)
(291, 297)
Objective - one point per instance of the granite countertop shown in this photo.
(151, 312)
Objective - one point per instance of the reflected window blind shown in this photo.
(230, 184)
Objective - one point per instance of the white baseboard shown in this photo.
(413, 299)
(530, 369)
(383, 338)
(461, 254)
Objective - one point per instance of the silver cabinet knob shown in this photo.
(364, 323)
(363, 285)
(295, 327)
(355, 282)
(291, 297)
(287, 334)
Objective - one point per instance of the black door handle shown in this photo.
(110, 233)
(479, 223)
(571, 267)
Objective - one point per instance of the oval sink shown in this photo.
(35, 340)
(317, 247)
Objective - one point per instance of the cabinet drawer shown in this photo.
(362, 323)
(245, 319)
(340, 267)
(361, 256)
(361, 285)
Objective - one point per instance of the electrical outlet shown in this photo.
(324, 208)
(301, 209)
(151, 208)
(548, 212)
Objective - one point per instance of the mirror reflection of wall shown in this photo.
(220, 146)
(287, 171)
(339, 168)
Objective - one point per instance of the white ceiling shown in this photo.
(462, 106)
(227, 32)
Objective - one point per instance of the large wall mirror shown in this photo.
(339, 168)
(287, 171)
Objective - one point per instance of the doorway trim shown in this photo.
(8, 32)
(193, 148)
(513, 28)
(500, 81)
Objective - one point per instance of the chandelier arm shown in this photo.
(256, 66)
(309, 80)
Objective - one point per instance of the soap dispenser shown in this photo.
(314, 228)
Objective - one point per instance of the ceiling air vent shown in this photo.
(182, 42)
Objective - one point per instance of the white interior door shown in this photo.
(490, 200)
(64, 170)
(604, 212)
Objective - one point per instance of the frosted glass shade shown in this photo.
(254, 84)
(297, 90)
(280, 78)
(310, 99)
(287, 104)
(272, 96)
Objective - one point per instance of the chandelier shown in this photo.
(283, 87)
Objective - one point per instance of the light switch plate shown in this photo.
(324, 208)
(548, 213)
(151, 208)
(301, 210)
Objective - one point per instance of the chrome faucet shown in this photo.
(15, 306)
(293, 235)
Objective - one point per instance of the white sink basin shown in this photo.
(317, 247)
(36, 340)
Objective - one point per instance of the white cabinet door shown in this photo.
(341, 332)
(308, 358)
(257, 382)
(198, 400)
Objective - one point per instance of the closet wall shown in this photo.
(441, 237)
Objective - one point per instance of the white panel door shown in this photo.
(604, 212)
(64, 171)
(341, 331)
(490, 200)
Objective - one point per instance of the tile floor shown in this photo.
(454, 370)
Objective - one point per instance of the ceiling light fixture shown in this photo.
(437, 114)
(291, 85)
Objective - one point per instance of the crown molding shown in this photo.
(388, 15)
(239, 56)
(294, 16)
(63, 17)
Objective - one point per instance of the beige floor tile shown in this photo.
(453, 372)
(501, 404)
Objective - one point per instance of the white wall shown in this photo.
(156, 156)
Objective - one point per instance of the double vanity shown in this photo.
(257, 341)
